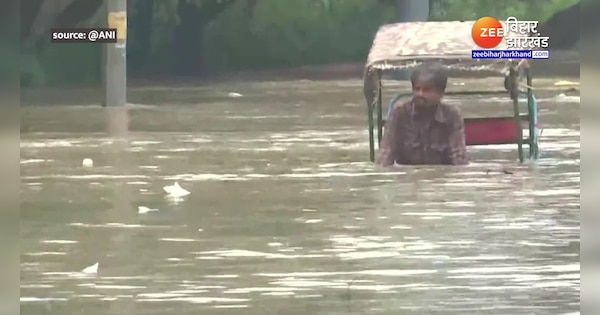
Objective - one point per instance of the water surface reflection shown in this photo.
(285, 215)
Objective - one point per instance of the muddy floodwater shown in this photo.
(286, 215)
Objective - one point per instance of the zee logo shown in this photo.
(487, 32)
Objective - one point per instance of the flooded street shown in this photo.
(286, 215)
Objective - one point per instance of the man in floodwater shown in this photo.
(424, 130)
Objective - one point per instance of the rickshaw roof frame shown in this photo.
(407, 45)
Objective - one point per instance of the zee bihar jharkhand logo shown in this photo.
(488, 33)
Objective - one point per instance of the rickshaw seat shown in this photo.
(491, 130)
(486, 130)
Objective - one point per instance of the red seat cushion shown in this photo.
(497, 130)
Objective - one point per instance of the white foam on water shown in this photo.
(556, 192)
(189, 292)
(241, 253)
(34, 161)
(313, 221)
(138, 183)
(380, 287)
(222, 276)
(209, 258)
(45, 254)
(400, 227)
(111, 286)
(31, 299)
(483, 258)
(58, 242)
(263, 290)
(85, 177)
(144, 142)
(185, 240)
(284, 293)
(50, 144)
(149, 167)
(119, 225)
(304, 283)
(232, 306)
(367, 255)
(394, 272)
(516, 269)
(439, 214)
(194, 300)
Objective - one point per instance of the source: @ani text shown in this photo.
(87, 35)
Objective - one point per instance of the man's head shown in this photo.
(428, 84)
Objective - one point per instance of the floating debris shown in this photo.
(144, 210)
(93, 269)
(565, 83)
(175, 190)
(87, 162)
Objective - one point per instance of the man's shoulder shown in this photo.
(452, 112)
(402, 107)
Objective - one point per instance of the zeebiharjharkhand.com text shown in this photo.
(510, 54)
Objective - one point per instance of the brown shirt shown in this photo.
(411, 139)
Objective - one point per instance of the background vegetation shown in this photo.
(202, 37)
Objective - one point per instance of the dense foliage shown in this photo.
(196, 37)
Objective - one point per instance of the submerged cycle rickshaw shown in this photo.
(406, 45)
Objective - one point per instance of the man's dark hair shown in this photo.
(438, 75)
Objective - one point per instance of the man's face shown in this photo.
(425, 93)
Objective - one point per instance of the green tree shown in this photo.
(196, 37)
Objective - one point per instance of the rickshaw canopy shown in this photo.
(406, 45)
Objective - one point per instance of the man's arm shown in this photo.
(458, 148)
(389, 150)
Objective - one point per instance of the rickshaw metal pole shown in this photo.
(533, 117)
(379, 109)
(514, 95)
(371, 131)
